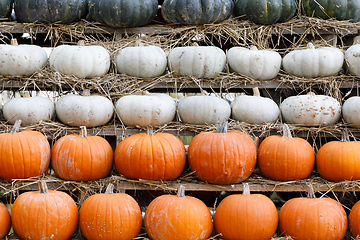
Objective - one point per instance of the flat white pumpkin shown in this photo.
(311, 110)
(197, 61)
(89, 111)
(203, 110)
(141, 61)
(254, 63)
(351, 111)
(153, 109)
(352, 57)
(80, 61)
(31, 110)
(21, 60)
(314, 62)
(254, 109)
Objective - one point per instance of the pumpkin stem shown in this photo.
(81, 43)
(311, 193)
(146, 93)
(83, 131)
(310, 46)
(26, 94)
(149, 130)
(42, 186)
(194, 44)
(286, 131)
(252, 47)
(16, 126)
(256, 92)
(345, 136)
(223, 128)
(14, 42)
(139, 43)
(86, 92)
(311, 93)
(246, 189)
(109, 189)
(181, 191)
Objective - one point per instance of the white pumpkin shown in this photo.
(31, 110)
(254, 109)
(197, 61)
(254, 63)
(80, 61)
(314, 62)
(154, 109)
(311, 110)
(84, 110)
(352, 57)
(351, 111)
(203, 110)
(21, 60)
(141, 61)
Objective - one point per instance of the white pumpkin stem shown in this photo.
(310, 46)
(81, 43)
(311, 193)
(256, 92)
(14, 42)
(253, 48)
(286, 131)
(86, 92)
(145, 93)
(344, 136)
(16, 126)
(42, 186)
(246, 189)
(149, 130)
(181, 191)
(311, 93)
(223, 128)
(83, 131)
(109, 189)
(194, 44)
(26, 94)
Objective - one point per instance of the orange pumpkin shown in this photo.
(23, 154)
(110, 216)
(82, 157)
(159, 156)
(44, 214)
(285, 158)
(182, 217)
(222, 157)
(354, 220)
(5, 221)
(246, 217)
(339, 160)
(312, 218)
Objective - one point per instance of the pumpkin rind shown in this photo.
(5, 221)
(352, 59)
(354, 220)
(5, 8)
(63, 11)
(123, 13)
(351, 111)
(196, 12)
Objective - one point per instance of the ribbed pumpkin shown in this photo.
(313, 218)
(82, 157)
(44, 214)
(63, 11)
(123, 13)
(196, 11)
(246, 216)
(110, 216)
(285, 158)
(182, 217)
(339, 160)
(151, 156)
(222, 157)
(354, 220)
(5, 221)
(5, 8)
(23, 154)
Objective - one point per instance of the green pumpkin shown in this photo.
(5, 8)
(123, 13)
(61, 11)
(265, 11)
(338, 9)
(196, 12)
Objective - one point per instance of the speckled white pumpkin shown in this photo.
(313, 62)
(31, 110)
(351, 111)
(197, 61)
(21, 60)
(80, 61)
(90, 111)
(254, 109)
(203, 110)
(352, 57)
(254, 63)
(141, 61)
(311, 110)
(154, 109)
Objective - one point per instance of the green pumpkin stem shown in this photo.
(246, 189)
(42, 186)
(109, 189)
(83, 131)
(181, 191)
(344, 136)
(286, 131)
(311, 193)
(223, 127)
(149, 130)
(16, 126)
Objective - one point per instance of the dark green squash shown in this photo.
(265, 11)
(123, 13)
(338, 9)
(196, 12)
(5, 8)
(61, 11)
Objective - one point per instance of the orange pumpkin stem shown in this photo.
(109, 189)
(286, 131)
(16, 126)
(345, 136)
(223, 128)
(181, 191)
(246, 189)
(149, 130)
(311, 193)
(83, 131)
(42, 186)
